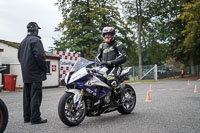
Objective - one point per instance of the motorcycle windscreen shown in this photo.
(79, 74)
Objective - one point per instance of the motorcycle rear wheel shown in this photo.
(3, 116)
(129, 100)
(68, 113)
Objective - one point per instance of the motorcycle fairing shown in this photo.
(92, 89)
(77, 94)
(96, 81)
(79, 74)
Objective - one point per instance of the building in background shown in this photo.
(8, 57)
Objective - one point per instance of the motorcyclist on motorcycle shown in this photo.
(111, 54)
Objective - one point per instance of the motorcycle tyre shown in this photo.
(121, 108)
(4, 112)
(61, 111)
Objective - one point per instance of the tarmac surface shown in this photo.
(174, 108)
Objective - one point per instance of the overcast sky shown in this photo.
(16, 14)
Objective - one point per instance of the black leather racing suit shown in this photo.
(115, 54)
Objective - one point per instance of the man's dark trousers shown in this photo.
(32, 98)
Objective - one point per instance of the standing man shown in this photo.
(111, 54)
(31, 56)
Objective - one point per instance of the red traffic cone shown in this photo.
(148, 98)
(195, 88)
(150, 87)
(188, 82)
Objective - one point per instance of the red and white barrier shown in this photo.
(67, 60)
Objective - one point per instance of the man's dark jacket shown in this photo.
(31, 56)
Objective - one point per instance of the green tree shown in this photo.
(148, 18)
(158, 26)
(83, 21)
(191, 18)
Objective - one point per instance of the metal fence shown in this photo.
(163, 71)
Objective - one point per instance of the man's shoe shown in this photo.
(27, 121)
(41, 121)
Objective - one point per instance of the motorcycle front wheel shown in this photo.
(3, 116)
(69, 114)
(128, 100)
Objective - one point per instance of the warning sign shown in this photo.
(53, 68)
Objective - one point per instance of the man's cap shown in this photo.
(33, 25)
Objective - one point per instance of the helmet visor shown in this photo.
(107, 35)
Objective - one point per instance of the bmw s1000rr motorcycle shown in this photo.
(88, 94)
